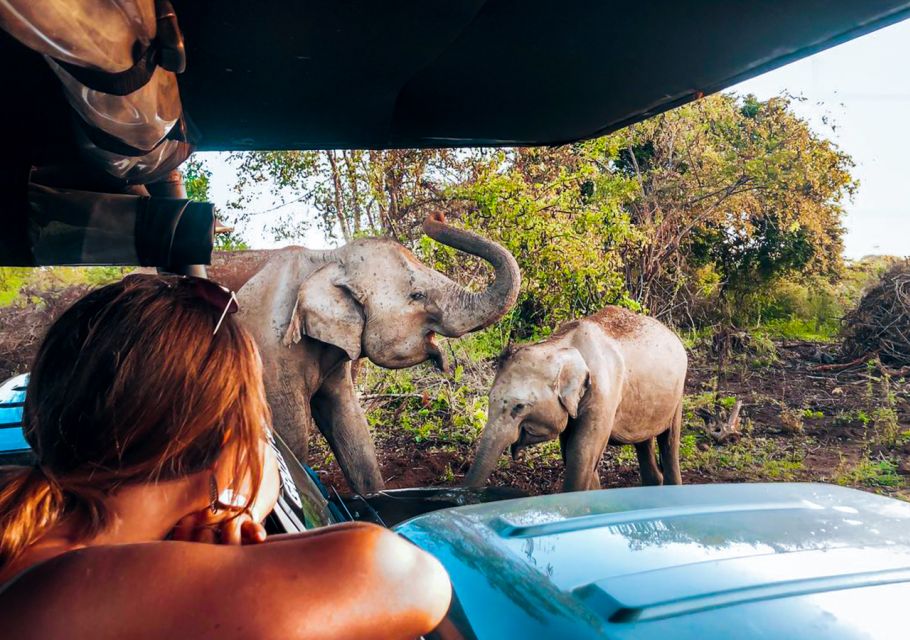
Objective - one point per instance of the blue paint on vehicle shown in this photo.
(697, 561)
(12, 395)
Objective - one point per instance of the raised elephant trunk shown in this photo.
(464, 311)
(493, 442)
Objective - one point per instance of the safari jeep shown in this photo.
(88, 176)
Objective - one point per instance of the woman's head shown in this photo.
(133, 384)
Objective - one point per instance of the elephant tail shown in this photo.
(668, 442)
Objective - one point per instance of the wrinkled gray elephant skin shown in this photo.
(313, 313)
(613, 377)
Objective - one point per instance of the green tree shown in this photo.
(196, 178)
(740, 190)
(561, 215)
(347, 194)
(689, 215)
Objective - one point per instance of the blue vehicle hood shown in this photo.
(12, 397)
(698, 561)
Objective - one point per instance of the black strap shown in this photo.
(118, 84)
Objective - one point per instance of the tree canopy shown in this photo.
(689, 214)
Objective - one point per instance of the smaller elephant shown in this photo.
(614, 377)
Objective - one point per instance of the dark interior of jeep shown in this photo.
(309, 75)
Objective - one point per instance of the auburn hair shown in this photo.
(132, 384)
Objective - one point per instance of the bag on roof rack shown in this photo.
(117, 61)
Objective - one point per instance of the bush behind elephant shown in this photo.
(613, 377)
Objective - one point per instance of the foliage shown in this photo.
(561, 216)
(876, 473)
(691, 215)
(855, 416)
(810, 328)
(811, 307)
(11, 281)
(352, 193)
(791, 420)
(737, 192)
(885, 427)
(429, 406)
(197, 179)
(748, 457)
(16, 282)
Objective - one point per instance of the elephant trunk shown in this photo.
(495, 438)
(464, 311)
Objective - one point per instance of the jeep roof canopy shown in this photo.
(366, 74)
(402, 73)
(396, 73)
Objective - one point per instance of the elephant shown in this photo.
(613, 377)
(315, 312)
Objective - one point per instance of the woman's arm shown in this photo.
(348, 581)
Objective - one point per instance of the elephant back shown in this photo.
(234, 269)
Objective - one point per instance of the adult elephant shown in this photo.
(313, 313)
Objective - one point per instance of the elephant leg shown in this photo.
(668, 443)
(647, 464)
(583, 447)
(291, 414)
(595, 481)
(341, 420)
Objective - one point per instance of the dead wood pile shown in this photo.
(880, 324)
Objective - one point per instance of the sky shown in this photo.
(862, 87)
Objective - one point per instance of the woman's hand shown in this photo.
(223, 528)
(235, 521)
(241, 530)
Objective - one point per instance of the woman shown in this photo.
(147, 414)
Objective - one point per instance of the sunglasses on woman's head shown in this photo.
(216, 295)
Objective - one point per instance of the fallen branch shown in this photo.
(391, 396)
(727, 429)
(722, 428)
(903, 372)
(841, 366)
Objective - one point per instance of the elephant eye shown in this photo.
(517, 409)
(418, 295)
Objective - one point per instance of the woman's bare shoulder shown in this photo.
(129, 590)
(185, 589)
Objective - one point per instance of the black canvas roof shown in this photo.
(299, 74)
(410, 73)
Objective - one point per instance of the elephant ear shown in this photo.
(326, 310)
(572, 381)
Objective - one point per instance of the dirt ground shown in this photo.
(798, 424)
